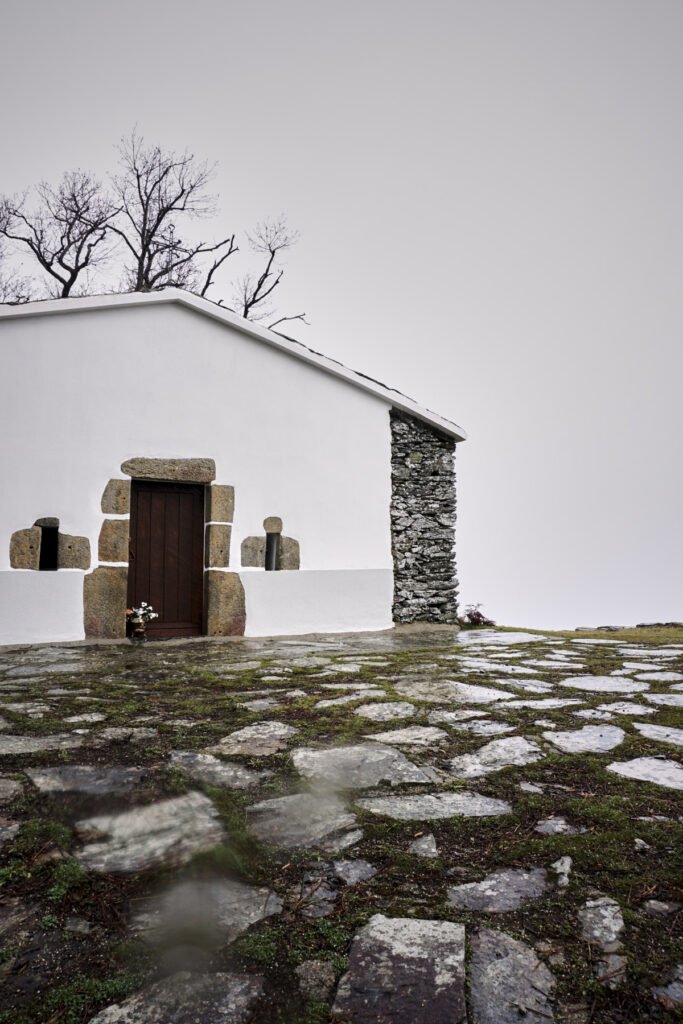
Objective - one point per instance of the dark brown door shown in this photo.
(166, 566)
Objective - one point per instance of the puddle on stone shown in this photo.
(304, 819)
(166, 834)
(218, 910)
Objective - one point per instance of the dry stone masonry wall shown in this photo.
(422, 522)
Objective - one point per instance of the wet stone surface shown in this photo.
(257, 740)
(508, 981)
(299, 820)
(604, 684)
(592, 738)
(557, 826)
(670, 994)
(434, 806)
(385, 712)
(9, 789)
(424, 846)
(187, 998)
(413, 736)
(483, 727)
(342, 828)
(358, 767)
(501, 891)
(12, 745)
(665, 734)
(218, 910)
(496, 755)
(602, 924)
(650, 769)
(353, 871)
(400, 970)
(210, 769)
(85, 779)
(168, 833)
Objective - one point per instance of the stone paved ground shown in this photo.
(415, 826)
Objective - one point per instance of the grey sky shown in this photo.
(489, 201)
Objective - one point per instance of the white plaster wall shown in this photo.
(280, 603)
(83, 391)
(40, 606)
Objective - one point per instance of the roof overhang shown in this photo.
(91, 303)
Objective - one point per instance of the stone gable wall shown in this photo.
(422, 522)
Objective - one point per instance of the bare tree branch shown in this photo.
(208, 280)
(74, 229)
(154, 190)
(67, 230)
(270, 238)
(283, 319)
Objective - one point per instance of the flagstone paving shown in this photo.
(409, 826)
(500, 892)
(494, 756)
(509, 983)
(592, 738)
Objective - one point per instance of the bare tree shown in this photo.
(157, 194)
(154, 190)
(252, 294)
(66, 231)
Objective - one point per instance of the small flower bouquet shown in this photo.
(145, 613)
(137, 619)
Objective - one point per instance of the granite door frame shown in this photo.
(105, 589)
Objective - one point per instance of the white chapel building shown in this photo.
(157, 447)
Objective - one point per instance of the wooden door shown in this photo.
(166, 566)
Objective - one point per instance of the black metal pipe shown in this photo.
(272, 551)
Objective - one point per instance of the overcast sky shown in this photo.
(489, 200)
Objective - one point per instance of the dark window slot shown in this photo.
(49, 548)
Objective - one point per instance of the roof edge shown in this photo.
(211, 309)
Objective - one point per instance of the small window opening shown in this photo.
(49, 548)
(273, 527)
(272, 551)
